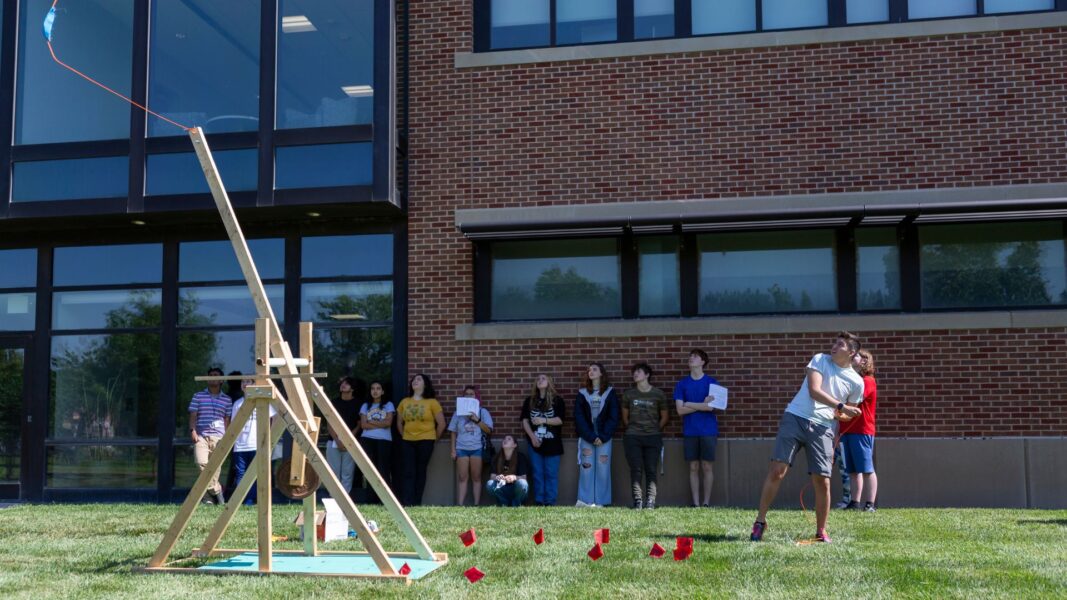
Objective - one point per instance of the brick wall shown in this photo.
(950, 111)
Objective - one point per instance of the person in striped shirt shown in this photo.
(209, 416)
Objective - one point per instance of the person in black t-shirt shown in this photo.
(340, 461)
(542, 420)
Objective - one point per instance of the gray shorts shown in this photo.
(699, 447)
(818, 442)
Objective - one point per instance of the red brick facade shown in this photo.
(949, 111)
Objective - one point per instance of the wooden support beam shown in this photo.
(318, 462)
(263, 495)
(237, 496)
(370, 472)
(218, 456)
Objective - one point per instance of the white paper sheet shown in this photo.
(718, 395)
(466, 406)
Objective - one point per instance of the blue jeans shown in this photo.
(594, 473)
(545, 471)
(241, 460)
(508, 494)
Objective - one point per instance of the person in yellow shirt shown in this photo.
(420, 422)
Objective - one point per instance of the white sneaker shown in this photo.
(580, 504)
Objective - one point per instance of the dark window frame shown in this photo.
(683, 23)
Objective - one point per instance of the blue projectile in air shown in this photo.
(48, 20)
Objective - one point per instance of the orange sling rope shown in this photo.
(104, 87)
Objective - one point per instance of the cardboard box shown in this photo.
(330, 524)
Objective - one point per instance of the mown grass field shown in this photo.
(89, 551)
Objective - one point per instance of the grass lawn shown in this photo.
(87, 551)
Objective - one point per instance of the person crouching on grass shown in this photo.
(831, 388)
(507, 475)
(857, 439)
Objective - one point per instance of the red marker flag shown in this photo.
(602, 536)
(468, 537)
(539, 537)
(404, 570)
(682, 553)
(473, 574)
(657, 551)
(684, 543)
(596, 552)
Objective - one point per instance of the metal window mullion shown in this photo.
(689, 275)
(910, 267)
(268, 60)
(683, 18)
(139, 94)
(624, 20)
(629, 284)
(7, 100)
(845, 258)
(552, 22)
(168, 376)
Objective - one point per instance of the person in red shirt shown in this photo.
(857, 439)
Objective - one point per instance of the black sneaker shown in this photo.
(219, 498)
(208, 498)
(650, 504)
(842, 504)
(705, 505)
(757, 531)
(637, 505)
(868, 507)
(852, 506)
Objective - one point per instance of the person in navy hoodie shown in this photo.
(596, 417)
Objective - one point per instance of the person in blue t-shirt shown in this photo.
(700, 427)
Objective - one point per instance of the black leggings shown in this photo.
(380, 453)
(416, 457)
(642, 454)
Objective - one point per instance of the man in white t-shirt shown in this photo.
(831, 390)
(244, 449)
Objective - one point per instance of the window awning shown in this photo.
(947, 205)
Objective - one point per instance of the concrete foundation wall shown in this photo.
(989, 472)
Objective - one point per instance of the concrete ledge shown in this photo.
(761, 324)
(781, 206)
(919, 472)
(826, 35)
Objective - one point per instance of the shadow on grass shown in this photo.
(1060, 522)
(712, 537)
(121, 566)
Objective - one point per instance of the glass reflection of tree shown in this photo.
(986, 274)
(889, 295)
(365, 352)
(99, 384)
(559, 293)
(10, 421)
(774, 299)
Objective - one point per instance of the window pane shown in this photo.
(228, 305)
(585, 21)
(877, 269)
(101, 467)
(53, 104)
(106, 309)
(556, 279)
(18, 312)
(787, 14)
(216, 261)
(103, 265)
(653, 19)
(972, 266)
(180, 173)
(198, 351)
(518, 23)
(71, 179)
(1005, 6)
(929, 9)
(18, 268)
(325, 63)
(105, 386)
(347, 255)
(332, 302)
(767, 272)
(658, 271)
(204, 65)
(366, 353)
(867, 11)
(326, 165)
(723, 16)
